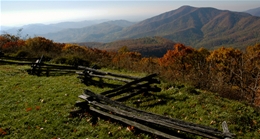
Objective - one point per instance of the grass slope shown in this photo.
(38, 107)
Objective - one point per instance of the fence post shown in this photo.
(225, 129)
(36, 65)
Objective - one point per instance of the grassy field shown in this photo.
(39, 107)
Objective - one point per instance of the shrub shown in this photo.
(22, 54)
(71, 60)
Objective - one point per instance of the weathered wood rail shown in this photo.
(88, 74)
(40, 68)
(38, 65)
(149, 122)
(16, 60)
(107, 105)
(132, 86)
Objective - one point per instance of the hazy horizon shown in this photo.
(22, 12)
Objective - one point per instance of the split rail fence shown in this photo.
(38, 66)
(110, 104)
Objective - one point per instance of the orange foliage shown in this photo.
(2, 132)
(172, 56)
(225, 58)
(37, 107)
(126, 59)
(28, 109)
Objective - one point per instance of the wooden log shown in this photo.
(129, 84)
(54, 70)
(154, 123)
(80, 73)
(132, 94)
(82, 104)
(111, 78)
(18, 58)
(135, 124)
(192, 126)
(88, 76)
(84, 96)
(59, 66)
(15, 62)
(140, 86)
(107, 73)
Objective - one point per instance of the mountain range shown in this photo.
(197, 27)
(38, 29)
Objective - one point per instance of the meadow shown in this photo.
(39, 107)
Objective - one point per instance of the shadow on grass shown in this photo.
(151, 100)
(100, 84)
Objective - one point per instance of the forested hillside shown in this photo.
(147, 46)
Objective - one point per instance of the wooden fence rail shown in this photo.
(18, 58)
(15, 60)
(40, 68)
(114, 109)
(131, 87)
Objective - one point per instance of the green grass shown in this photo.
(39, 107)
(205, 108)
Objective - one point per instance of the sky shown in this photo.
(23, 12)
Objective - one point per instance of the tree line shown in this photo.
(230, 72)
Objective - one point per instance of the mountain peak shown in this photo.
(187, 7)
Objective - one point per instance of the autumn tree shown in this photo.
(38, 46)
(176, 63)
(225, 65)
(148, 64)
(11, 43)
(249, 77)
(126, 60)
(123, 49)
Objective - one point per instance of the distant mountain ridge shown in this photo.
(197, 27)
(94, 33)
(37, 29)
(254, 12)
